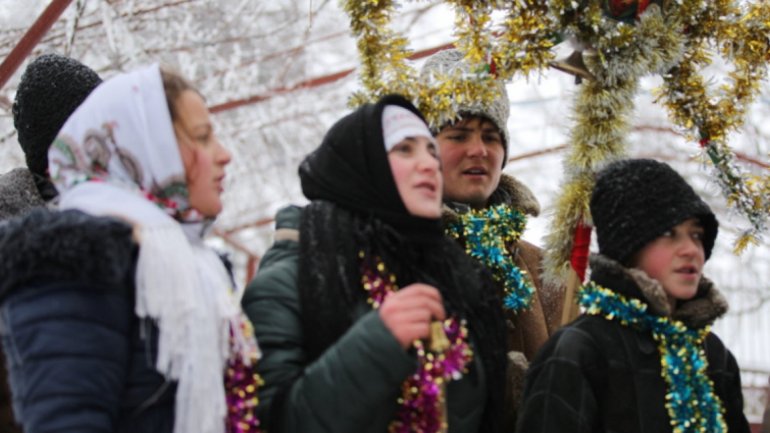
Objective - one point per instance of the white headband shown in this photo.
(399, 123)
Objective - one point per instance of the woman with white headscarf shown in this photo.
(115, 315)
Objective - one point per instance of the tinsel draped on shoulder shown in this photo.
(632, 299)
(708, 304)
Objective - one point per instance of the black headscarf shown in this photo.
(351, 170)
(356, 207)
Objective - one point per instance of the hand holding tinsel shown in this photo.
(422, 402)
(408, 312)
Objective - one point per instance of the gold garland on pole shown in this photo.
(526, 39)
(677, 50)
(383, 52)
(523, 45)
(669, 38)
(708, 118)
(623, 54)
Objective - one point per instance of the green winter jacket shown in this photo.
(354, 385)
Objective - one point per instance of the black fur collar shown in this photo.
(65, 246)
(707, 305)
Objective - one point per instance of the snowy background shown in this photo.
(277, 74)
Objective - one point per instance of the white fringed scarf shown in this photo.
(117, 156)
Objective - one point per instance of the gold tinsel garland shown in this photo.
(602, 111)
(523, 45)
(625, 52)
(383, 51)
(743, 39)
(672, 42)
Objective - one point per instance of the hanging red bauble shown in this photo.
(627, 11)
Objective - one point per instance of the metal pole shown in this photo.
(765, 427)
(30, 39)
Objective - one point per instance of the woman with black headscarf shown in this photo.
(369, 319)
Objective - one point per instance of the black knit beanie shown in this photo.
(637, 200)
(51, 88)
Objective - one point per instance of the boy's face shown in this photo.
(472, 160)
(675, 259)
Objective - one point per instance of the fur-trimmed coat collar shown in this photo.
(707, 305)
(46, 245)
(18, 193)
(509, 191)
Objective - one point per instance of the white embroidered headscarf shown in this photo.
(117, 155)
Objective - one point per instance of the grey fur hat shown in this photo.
(51, 88)
(497, 110)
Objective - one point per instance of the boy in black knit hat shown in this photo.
(51, 88)
(641, 357)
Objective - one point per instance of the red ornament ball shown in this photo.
(627, 11)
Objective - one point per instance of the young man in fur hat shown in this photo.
(51, 88)
(474, 150)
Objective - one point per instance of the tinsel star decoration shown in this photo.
(625, 40)
(677, 40)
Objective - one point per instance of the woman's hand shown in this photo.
(408, 313)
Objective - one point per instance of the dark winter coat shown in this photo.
(365, 367)
(596, 375)
(18, 195)
(79, 359)
(528, 330)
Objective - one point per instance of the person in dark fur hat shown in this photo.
(641, 357)
(364, 309)
(51, 88)
(474, 151)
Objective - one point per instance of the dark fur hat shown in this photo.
(51, 88)
(637, 200)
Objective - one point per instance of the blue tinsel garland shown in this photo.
(690, 399)
(486, 233)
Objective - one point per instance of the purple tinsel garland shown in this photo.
(241, 385)
(423, 396)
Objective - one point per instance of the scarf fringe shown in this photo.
(194, 323)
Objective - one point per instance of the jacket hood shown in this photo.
(708, 304)
(18, 193)
(69, 245)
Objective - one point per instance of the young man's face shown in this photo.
(472, 154)
(675, 259)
